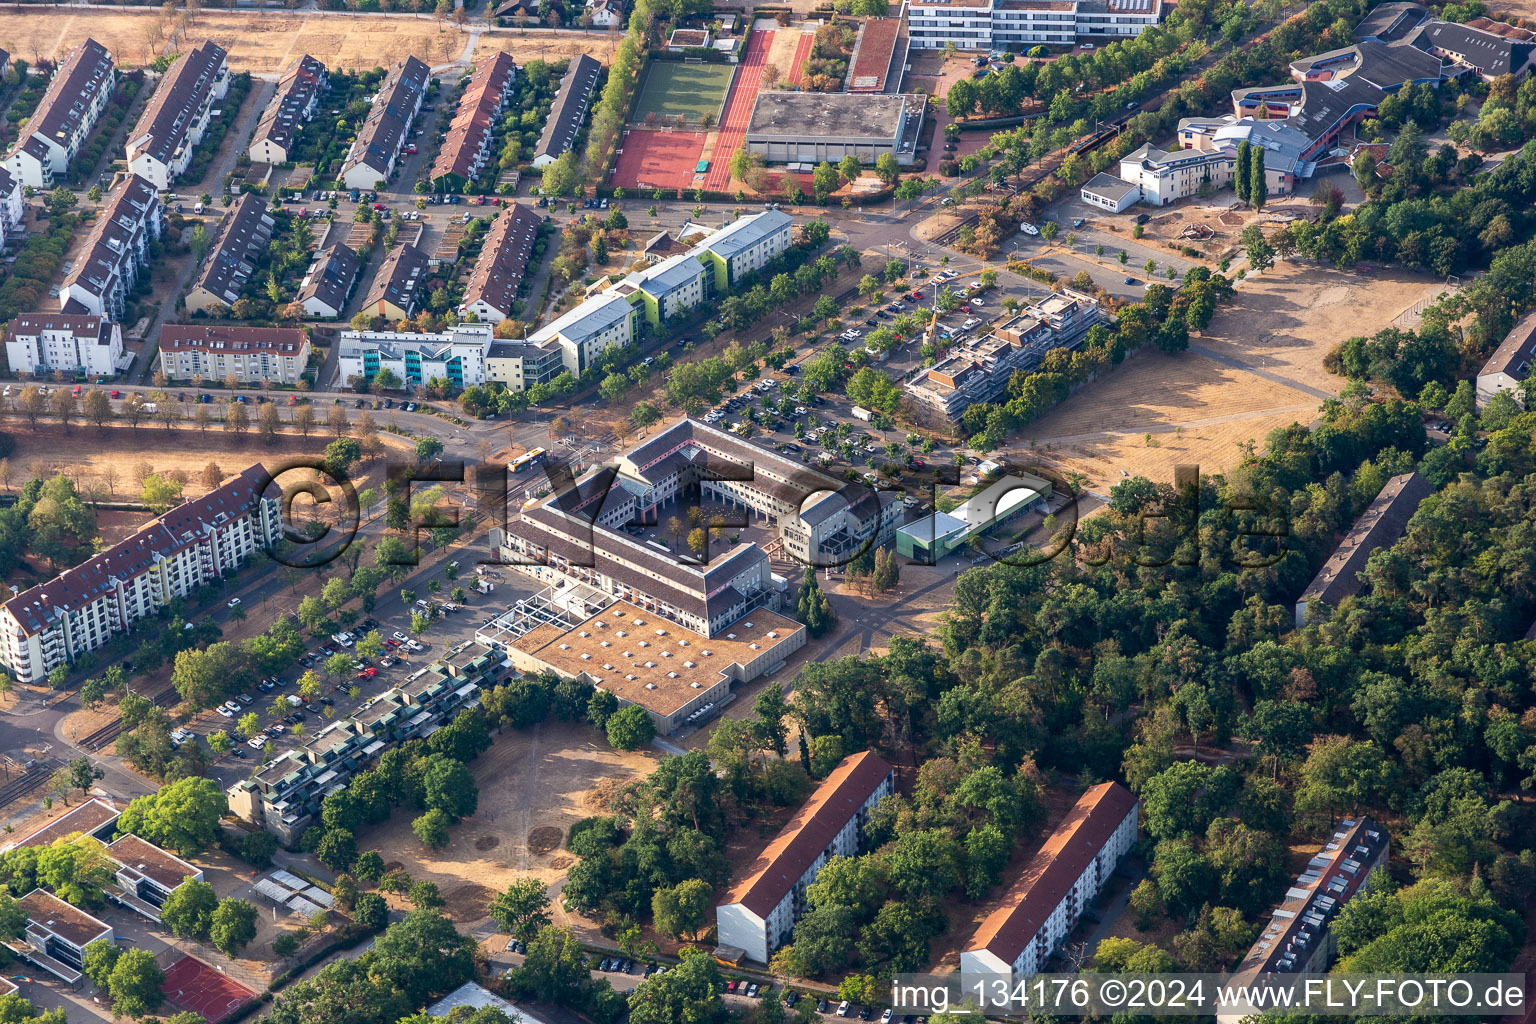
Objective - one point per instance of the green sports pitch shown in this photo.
(692, 90)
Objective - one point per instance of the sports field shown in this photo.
(692, 90)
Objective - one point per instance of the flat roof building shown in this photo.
(95, 818)
(147, 875)
(57, 934)
(1110, 193)
(1021, 24)
(1298, 938)
(458, 356)
(1381, 524)
(668, 671)
(743, 246)
(811, 127)
(251, 355)
(759, 913)
(1057, 886)
(521, 364)
(932, 537)
(569, 110)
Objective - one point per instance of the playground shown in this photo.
(693, 91)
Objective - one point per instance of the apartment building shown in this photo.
(379, 142)
(241, 238)
(568, 112)
(12, 205)
(115, 251)
(81, 88)
(396, 289)
(467, 145)
(297, 97)
(458, 355)
(604, 321)
(668, 289)
(493, 285)
(521, 364)
(251, 355)
(1380, 525)
(1507, 367)
(283, 796)
(1298, 938)
(56, 935)
(328, 283)
(160, 146)
(1060, 882)
(1021, 24)
(978, 369)
(759, 913)
(744, 245)
(82, 608)
(41, 343)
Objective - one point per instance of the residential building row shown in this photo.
(1510, 364)
(1021, 24)
(1301, 123)
(1298, 938)
(459, 355)
(758, 914)
(56, 933)
(328, 284)
(80, 90)
(568, 112)
(84, 607)
(13, 206)
(382, 137)
(978, 369)
(251, 355)
(238, 243)
(297, 97)
(498, 273)
(115, 251)
(1380, 525)
(161, 144)
(72, 343)
(1057, 886)
(609, 319)
(283, 796)
(467, 144)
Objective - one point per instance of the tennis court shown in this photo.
(192, 985)
(657, 159)
(673, 88)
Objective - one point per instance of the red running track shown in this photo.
(738, 111)
(802, 53)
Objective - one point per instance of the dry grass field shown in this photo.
(533, 786)
(1201, 409)
(268, 42)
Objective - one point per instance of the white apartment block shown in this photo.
(57, 933)
(160, 146)
(81, 88)
(457, 355)
(1021, 24)
(1060, 882)
(115, 251)
(252, 355)
(605, 321)
(13, 204)
(759, 913)
(745, 245)
(40, 343)
(82, 608)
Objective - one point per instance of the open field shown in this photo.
(1259, 366)
(533, 786)
(135, 37)
(692, 90)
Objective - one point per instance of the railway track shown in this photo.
(41, 771)
(112, 730)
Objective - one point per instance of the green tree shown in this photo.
(233, 926)
(522, 909)
(687, 994)
(134, 984)
(188, 911)
(182, 816)
(630, 727)
(432, 828)
(683, 909)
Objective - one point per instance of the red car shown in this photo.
(116, 393)
(391, 644)
(76, 392)
(368, 673)
(378, 206)
(917, 296)
(411, 148)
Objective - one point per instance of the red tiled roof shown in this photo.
(809, 833)
(1053, 870)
